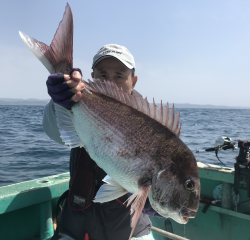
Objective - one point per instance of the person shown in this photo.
(81, 218)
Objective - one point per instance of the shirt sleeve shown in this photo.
(49, 123)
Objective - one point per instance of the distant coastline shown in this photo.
(39, 102)
(188, 105)
(33, 102)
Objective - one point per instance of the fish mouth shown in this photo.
(186, 213)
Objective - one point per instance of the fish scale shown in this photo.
(95, 113)
(93, 131)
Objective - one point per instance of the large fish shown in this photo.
(136, 143)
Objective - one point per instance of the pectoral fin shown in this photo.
(67, 131)
(109, 191)
(139, 198)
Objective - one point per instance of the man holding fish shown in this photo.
(116, 136)
(109, 220)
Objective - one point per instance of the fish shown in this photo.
(136, 143)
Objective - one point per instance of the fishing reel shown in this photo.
(221, 143)
(242, 165)
(224, 143)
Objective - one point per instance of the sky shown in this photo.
(192, 51)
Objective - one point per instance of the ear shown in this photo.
(134, 81)
(92, 74)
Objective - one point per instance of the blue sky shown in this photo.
(185, 51)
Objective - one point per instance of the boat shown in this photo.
(27, 209)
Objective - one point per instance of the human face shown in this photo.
(112, 70)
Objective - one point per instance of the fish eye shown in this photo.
(189, 185)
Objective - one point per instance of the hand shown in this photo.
(65, 89)
(74, 81)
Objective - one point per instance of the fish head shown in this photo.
(175, 190)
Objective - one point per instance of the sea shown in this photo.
(27, 153)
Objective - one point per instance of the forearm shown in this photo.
(50, 124)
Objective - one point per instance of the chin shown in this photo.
(169, 213)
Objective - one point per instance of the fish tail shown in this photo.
(58, 57)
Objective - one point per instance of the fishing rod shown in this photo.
(242, 165)
(221, 143)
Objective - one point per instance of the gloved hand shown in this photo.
(65, 89)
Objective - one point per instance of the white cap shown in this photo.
(119, 52)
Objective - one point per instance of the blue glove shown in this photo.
(59, 90)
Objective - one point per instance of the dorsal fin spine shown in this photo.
(124, 98)
(132, 100)
(98, 88)
(177, 124)
(158, 113)
(161, 113)
(99, 85)
(105, 87)
(179, 130)
(93, 86)
(167, 117)
(102, 88)
(115, 91)
(147, 105)
(172, 123)
(154, 109)
(141, 109)
(112, 89)
(109, 89)
(128, 99)
(119, 94)
(135, 102)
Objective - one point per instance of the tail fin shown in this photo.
(58, 57)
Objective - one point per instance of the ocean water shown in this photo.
(27, 153)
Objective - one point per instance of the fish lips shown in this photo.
(186, 213)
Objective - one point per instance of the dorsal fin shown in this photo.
(58, 57)
(163, 115)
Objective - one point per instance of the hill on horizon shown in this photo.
(42, 102)
(19, 101)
